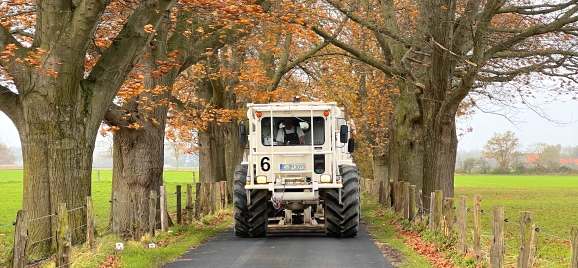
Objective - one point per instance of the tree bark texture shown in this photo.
(438, 83)
(136, 170)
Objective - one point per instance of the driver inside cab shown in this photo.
(290, 134)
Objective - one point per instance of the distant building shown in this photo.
(531, 159)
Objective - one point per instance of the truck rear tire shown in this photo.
(241, 212)
(343, 220)
(258, 213)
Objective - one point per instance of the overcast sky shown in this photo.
(559, 125)
(529, 127)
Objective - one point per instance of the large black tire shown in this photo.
(343, 220)
(258, 213)
(240, 209)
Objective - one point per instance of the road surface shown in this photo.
(284, 250)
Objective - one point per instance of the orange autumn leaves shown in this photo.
(32, 61)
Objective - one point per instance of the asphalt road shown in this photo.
(284, 250)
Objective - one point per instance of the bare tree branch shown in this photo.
(371, 26)
(10, 104)
(360, 55)
(536, 9)
(568, 18)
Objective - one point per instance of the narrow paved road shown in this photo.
(284, 250)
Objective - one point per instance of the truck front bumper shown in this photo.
(294, 192)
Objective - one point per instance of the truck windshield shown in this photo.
(292, 131)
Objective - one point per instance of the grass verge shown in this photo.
(137, 254)
(381, 223)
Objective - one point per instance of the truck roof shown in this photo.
(278, 106)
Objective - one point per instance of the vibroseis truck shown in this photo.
(296, 185)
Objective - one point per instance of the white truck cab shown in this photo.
(295, 171)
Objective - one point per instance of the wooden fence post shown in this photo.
(152, 212)
(207, 198)
(198, 200)
(224, 199)
(497, 249)
(527, 236)
(477, 228)
(114, 213)
(448, 211)
(431, 210)
(391, 194)
(164, 212)
(179, 205)
(216, 197)
(98, 175)
(399, 197)
(402, 200)
(574, 245)
(89, 224)
(63, 239)
(420, 201)
(189, 207)
(368, 186)
(380, 192)
(20, 240)
(438, 206)
(405, 194)
(462, 216)
(411, 202)
(136, 220)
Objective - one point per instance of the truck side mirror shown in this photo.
(343, 133)
(242, 134)
(350, 145)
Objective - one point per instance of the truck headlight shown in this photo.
(261, 179)
(325, 178)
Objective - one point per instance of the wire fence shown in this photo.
(545, 247)
(549, 250)
(104, 219)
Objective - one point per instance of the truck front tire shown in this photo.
(343, 220)
(258, 213)
(241, 212)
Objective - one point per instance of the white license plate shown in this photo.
(290, 167)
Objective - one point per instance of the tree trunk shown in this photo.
(447, 155)
(438, 84)
(138, 168)
(409, 137)
(212, 163)
(138, 153)
(57, 152)
(219, 150)
(380, 165)
(233, 152)
(393, 168)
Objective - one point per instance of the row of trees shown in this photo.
(403, 69)
(504, 154)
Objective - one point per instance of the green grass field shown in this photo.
(11, 199)
(551, 199)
